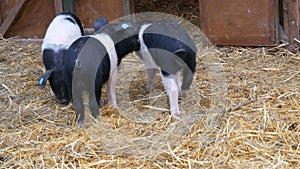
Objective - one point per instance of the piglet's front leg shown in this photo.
(111, 88)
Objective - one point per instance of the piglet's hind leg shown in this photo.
(79, 109)
(93, 105)
(172, 90)
(150, 79)
(182, 93)
(111, 89)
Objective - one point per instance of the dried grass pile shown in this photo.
(259, 126)
(242, 111)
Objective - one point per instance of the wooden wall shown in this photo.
(89, 10)
(226, 22)
(290, 10)
(235, 22)
(30, 18)
(251, 22)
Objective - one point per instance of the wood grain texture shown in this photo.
(58, 5)
(235, 22)
(89, 10)
(12, 15)
(291, 23)
(33, 20)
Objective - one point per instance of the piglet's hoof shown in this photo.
(184, 94)
(114, 106)
(176, 114)
(149, 88)
(112, 103)
(80, 124)
(63, 101)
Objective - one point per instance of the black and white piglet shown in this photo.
(62, 31)
(92, 61)
(166, 46)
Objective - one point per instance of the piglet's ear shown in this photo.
(43, 79)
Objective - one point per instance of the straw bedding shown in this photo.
(242, 111)
(258, 125)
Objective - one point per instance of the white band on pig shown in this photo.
(110, 48)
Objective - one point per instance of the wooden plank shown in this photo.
(242, 23)
(0, 18)
(285, 17)
(89, 10)
(291, 23)
(33, 20)
(0, 14)
(128, 7)
(5, 7)
(11, 16)
(69, 6)
(58, 5)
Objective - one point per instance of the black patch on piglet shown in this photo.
(84, 56)
(71, 20)
(53, 61)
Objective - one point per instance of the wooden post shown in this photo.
(0, 15)
(58, 5)
(291, 23)
(11, 16)
(241, 23)
(128, 7)
(69, 6)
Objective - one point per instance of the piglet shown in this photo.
(62, 31)
(166, 46)
(92, 61)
